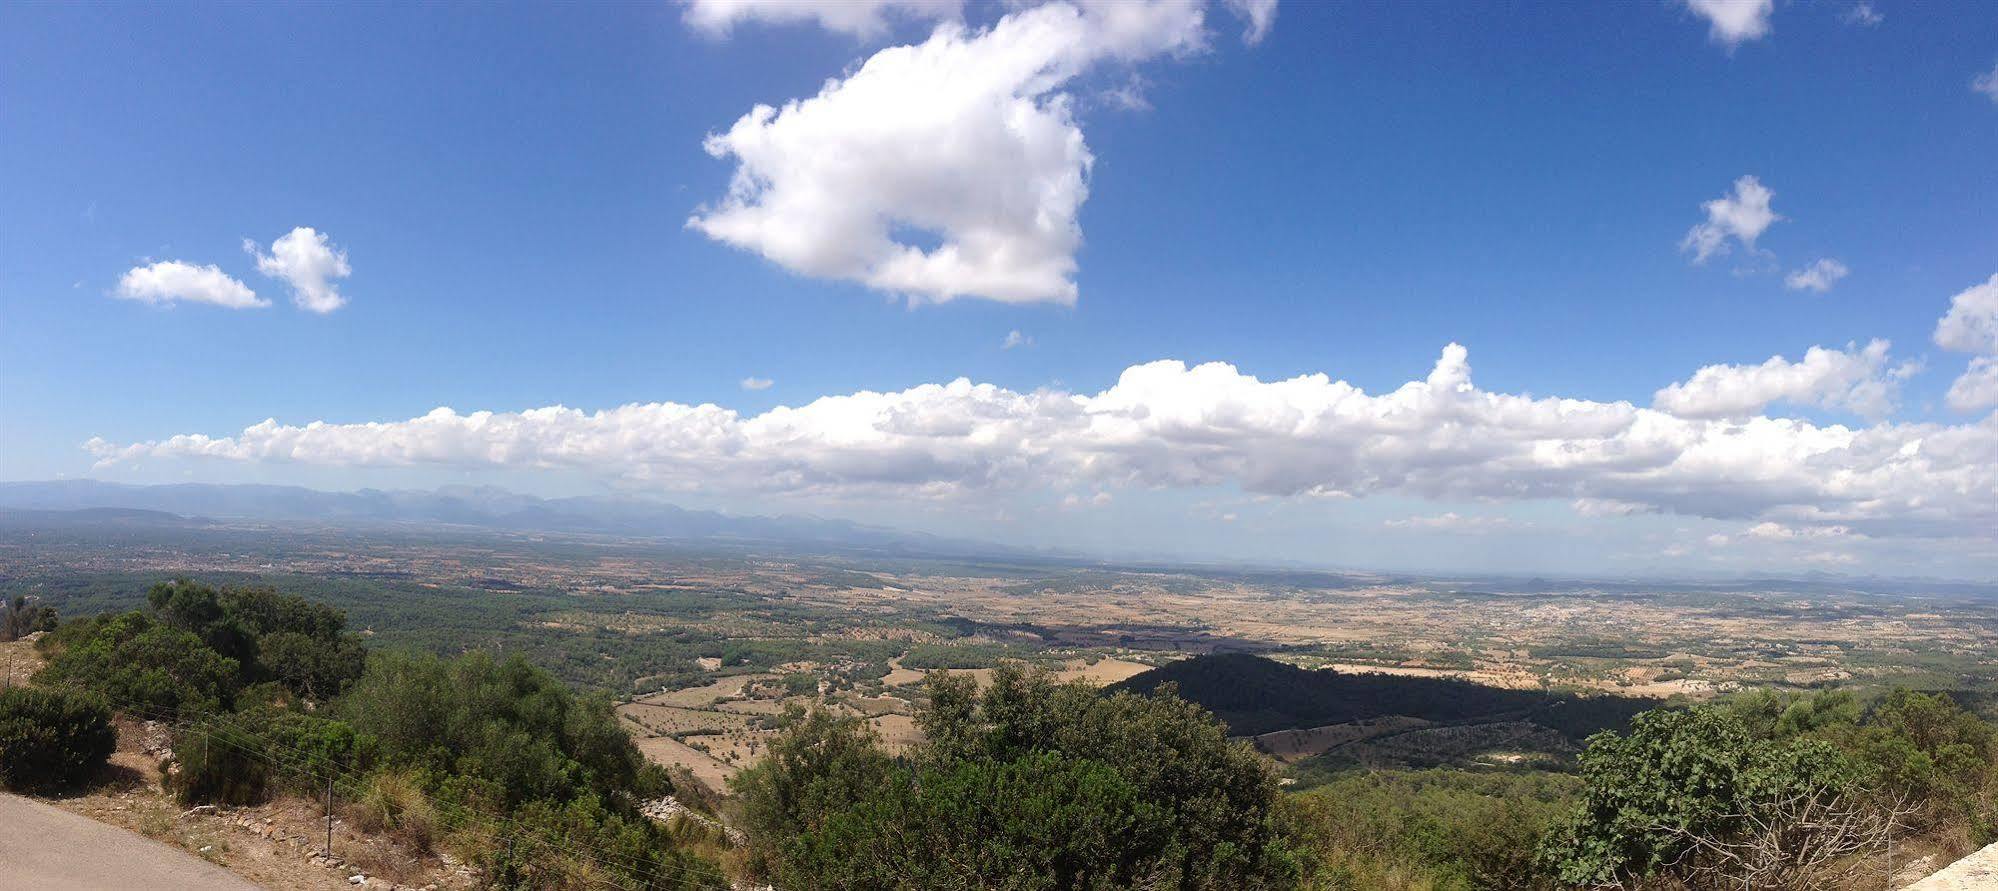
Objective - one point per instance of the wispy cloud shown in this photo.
(857, 18)
(1987, 83)
(1862, 14)
(1740, 216)
(1819, 276)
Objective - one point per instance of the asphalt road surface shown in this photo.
(50, 849)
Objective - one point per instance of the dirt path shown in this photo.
(50, 848)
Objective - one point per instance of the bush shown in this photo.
(1697, 798)
(19, 618)
(52, 739)
(505, 722)
(272, 636)
(393, 802)
(1429, 828)
(1029, 785)
(219, 764)
(138, 663)
(582, 845)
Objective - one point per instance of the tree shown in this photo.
(1927, 749)
(141, 664)
(506, 723)
(1029, 784)
(52, 739)
(272, 636)
(1695, 796)
(20, 618)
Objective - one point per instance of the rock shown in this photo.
(199, 809)
(357, 880)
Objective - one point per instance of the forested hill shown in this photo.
(1257, 695)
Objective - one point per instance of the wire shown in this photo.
(354, 785)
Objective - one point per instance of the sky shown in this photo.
(1699, 287)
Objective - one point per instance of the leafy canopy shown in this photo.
(1029, 784)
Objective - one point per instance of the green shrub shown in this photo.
(1663, 804)
(393, 802)
(1028, 785)
(1443, 828)
(138, 663)
(52, 739)
(272, 636)
(583, 845)
(19, 618)
(219, 764)
(506, 722)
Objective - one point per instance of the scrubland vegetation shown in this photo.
(269, 694)
(1023, 781)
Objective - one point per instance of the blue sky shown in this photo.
(512, 188)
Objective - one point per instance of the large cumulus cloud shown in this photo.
(950, 168)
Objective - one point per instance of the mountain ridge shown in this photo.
(478, 506)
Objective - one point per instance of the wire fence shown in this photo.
(598, 866)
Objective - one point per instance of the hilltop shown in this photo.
(1256, 695)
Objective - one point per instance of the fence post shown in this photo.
(329, 815)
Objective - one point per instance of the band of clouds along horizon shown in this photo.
(1704, 447)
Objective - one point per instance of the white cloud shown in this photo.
(1733, 22)
(1743, 216)
(1075, 501)
(170, 281)
(1854, 379)
(1450, 521)
(1977, 388)
(1971, 325)
(1987, 83)
(756, 383)
(1818, 276)
(952, 168)
(1257, 18)
(1769, 531)
(859, 18)
(1862, 14)
(1015, 339)
(1127, 96)
(303, 259)
(1606, 507)
(1165, 425)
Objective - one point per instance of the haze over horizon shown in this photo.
(1555, 289)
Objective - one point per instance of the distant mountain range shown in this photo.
(479, 506)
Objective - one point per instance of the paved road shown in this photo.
(50, 849)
